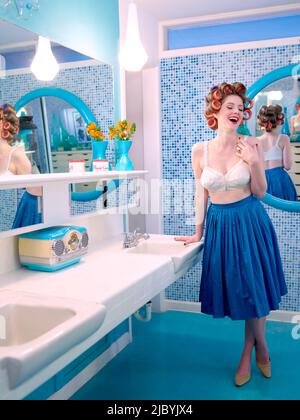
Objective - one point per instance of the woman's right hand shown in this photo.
(188, 239)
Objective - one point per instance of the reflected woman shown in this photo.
(295, 123)
(13, 161)
(242, 275)
(277, 153)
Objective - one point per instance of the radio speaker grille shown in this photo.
(59, 248)
(85, 240)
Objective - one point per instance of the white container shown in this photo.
(100, 165)
(76, 166)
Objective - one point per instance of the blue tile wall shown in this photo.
(185, 81)
(8, 206)
(92, 84)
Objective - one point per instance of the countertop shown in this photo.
(123, 282)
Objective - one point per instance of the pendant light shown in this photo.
(133, 56)
(44, 65)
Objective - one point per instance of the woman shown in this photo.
(295, 123)
(242, 275)
(13, 161)
(277, 153)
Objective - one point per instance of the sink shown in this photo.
(15, 321)
(152, 247)
(35, 330)
(166, 245)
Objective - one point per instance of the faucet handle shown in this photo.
(128, 236)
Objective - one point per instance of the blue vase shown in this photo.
(285, 128)
(99, 152)
(123, 162)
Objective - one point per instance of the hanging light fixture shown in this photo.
(133, 56)
(24, 8)
(44, 65)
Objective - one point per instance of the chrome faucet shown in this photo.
(132, 239)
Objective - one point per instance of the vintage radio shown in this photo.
(54, 248)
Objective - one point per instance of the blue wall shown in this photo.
(90, 27)
(185, 81)
(255, 30)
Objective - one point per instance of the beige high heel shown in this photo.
(241, 380)
(265, 369)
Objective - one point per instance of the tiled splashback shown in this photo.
(93, 84)
(185, 81)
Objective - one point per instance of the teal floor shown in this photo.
(182, 356)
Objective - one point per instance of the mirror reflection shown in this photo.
(276, 123)
(52, 131)
(14, 161)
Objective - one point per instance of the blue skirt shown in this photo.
(242, 275)
(280, 184)
(27, 213)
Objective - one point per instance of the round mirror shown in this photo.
(53, 131)
(281, 87)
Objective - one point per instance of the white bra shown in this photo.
(275, 153)
(237, 177)
(296, 123)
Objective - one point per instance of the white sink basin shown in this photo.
(166, 245)
(20, 324)
(35, 330)
(151, 247)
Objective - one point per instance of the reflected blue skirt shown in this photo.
(27, 212)
(280, 184)
(242, 275)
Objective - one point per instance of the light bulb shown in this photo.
(44, 65)
(133, 56)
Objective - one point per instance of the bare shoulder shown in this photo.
(198, 155)
(198, 147)
(284, 140)
(197, 150)
(21, 162)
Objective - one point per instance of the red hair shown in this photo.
(269, 117)
(216, 97)
(10, 123)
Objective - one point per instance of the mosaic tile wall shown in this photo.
(185, 82)
(8, 206)
(92, 84)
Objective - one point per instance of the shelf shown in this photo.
(21, 181)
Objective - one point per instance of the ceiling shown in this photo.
(177, 9)
(161, 9)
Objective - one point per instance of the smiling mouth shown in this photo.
(234, 120)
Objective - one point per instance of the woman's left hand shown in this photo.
(247, 152)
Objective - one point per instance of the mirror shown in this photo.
(20, 208)
(282, 86)
(54, 115)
